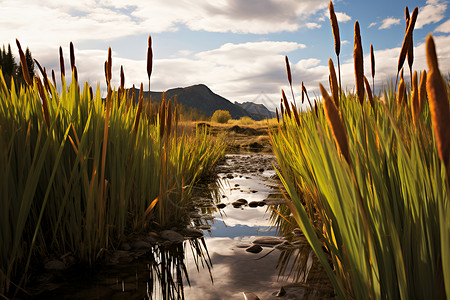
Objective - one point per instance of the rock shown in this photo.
(253, 204)
(204, 227)
(261, 203)
(237, 204)
(281, 292)
(236, 185)
(261, 169)
(141, 245)
(274, 201)
(192, 232)
(171, 235)
(242, 245)
(243, 201)
(254, 249)
(284, 246)
(55, 265)
(125, 246)
(230, 176)
(268, 240)
(256, 145)
(221, 205)
(250, 296)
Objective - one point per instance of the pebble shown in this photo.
(268, 240)
(141, 245)
(221, 205)
(254, 249)
(254, 204)
(192, 232)
(171, 235)
(125, 246)
(55, 265)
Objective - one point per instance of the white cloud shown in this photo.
(372, 24)
(342, 17)
(388, 22)
(432, 12)
(444, 27)
(345, 42)
(312, 25)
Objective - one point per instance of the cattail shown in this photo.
(410, 53)
(288, 69)
(23, 62)
(335, 28)
(336, 124)
(162, 115)
(276, 112)
(44, 101)
(149, 57)
(72, 56)
(303, 93)
(369, 92)
(169, 118)
(407, 39)
(316, 109)
(106, 72)
(333, 82)
(422, 90)
(358, 64)
(109, 66)
(61, 63)
(295, 113)
(91, 93)
(401, 92)
(54, 78)
(138, 114)
(122, 86)
(372, 65)
(438, 102)
(286, 104)
(44, 75)
(75, 73)
(282, 109)
(415, 99)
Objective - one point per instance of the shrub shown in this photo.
(221, 116)
(246, 121)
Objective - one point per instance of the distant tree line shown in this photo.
(13, 70)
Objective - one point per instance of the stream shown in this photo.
(240, 256)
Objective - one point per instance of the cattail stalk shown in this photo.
(333, 82)
(369, 93)
(358, 64)
(337, 39)
(305, 92)
(61, 63)
(286, 104)
(422, 91)
(415, 99)
(406, 41)
(149, 68)
(438, 102)
(54, 78)
(72, 56)
(401, 92)
(44, 101)
(410, 53)
(336, 124)
(23, 62)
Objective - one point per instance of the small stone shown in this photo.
(261, 203)
(250, 296)
(254, 249)
(253, 204)
(242, 201)
(268, 240)
(55, 265)
(204, 227)
(141, 245)
(237, 204)
(236, 185)
(261, 170)
(221, 205)
(171, 235)
(230, 176)
(281, 292)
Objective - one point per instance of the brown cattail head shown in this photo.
(44, 75)
(44, 101)
(54, 78)
(333, 82)
(401, 92)
(438, 102)
(61, 62)
(369, 92)
(122, 78)
(303, 93)
(91, 93)
(282, 108)
(415, 99)
(149, 57)
(407, 40)
(288, 68)
(23, 62)
(109, 66)
(410, 53)
(75, 73)
(336, 124)
(286, 104)
(407, 18)
(372, 61)
(335, 28)
(358, 64)
(138, 113)
(278, 117)
(422, 90)
(295, 113)
(72, 56)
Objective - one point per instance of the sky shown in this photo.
(235, 47)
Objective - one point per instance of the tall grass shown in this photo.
(369, 188)
(79, 172)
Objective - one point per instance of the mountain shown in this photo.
(202, 98)
(257, 109)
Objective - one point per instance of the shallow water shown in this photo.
(214, 267)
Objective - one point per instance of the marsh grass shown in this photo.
(80, 172)
(380, 207)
